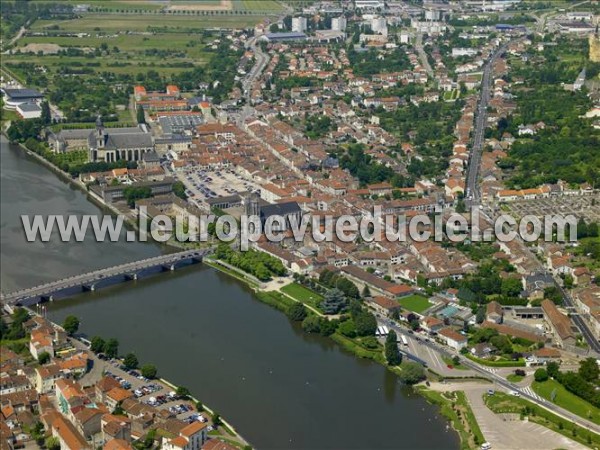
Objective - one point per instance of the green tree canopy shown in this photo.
(71, 324)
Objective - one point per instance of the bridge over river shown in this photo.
(98, 279)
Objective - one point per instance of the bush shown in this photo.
(311, 324)
(540, 375)
(412, 373)
(297, 312)
(348, 329)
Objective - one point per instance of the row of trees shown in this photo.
(110, 348)
(259, 264)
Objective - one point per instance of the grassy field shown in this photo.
(257, 5)
(303, 294)
(566, 400)
(501, 403)
(144, 22)
(415, 303)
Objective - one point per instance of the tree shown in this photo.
(412, 373)
(297, 312)
(312, 324)
(511, 287)
(553, 369)
(131, 361)
(366, 292)
(199, 407)
(333, 302)
(540, 375)
(588, 370)
(274, 28)
(216, 418)
(111, 348)
(71, 325)
(44, 357)
(392, 354)
(365, 323)
(46, 115)
(52, 443)
(97, 344)
(182, 392)
(141, 116)
(480, 315)
(148, 371)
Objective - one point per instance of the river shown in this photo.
(281, 388)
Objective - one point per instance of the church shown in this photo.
(114, 144)
(104, 144)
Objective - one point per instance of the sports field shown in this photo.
(414, 303)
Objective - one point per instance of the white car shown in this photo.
(515, 393)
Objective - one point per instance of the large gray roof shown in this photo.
(128, 140)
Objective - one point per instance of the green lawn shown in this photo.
(497, 363)
(415, 303)
(567, 400)
(303, 294)
(514, 378)
(449, 362)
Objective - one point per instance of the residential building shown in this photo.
(299, 24)
(559, 324)
(452, 338)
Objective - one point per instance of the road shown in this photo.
(423, 55)
(592, 340)
(473, 193)
(486, 372)
(98, 275)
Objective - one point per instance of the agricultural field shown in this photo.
(415, 303)
(112, 23)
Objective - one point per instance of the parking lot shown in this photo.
(154, 393)
(205, 184)
(586, 206)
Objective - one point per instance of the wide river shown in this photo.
(280, 387)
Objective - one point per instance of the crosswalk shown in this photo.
(529, 391)
(490, 369)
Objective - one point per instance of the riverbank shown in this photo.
(227, 431)
(466, 425)
(231, 367)
(90, 196)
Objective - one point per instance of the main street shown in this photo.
(473, 194)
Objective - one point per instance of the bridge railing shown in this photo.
(111, 270)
